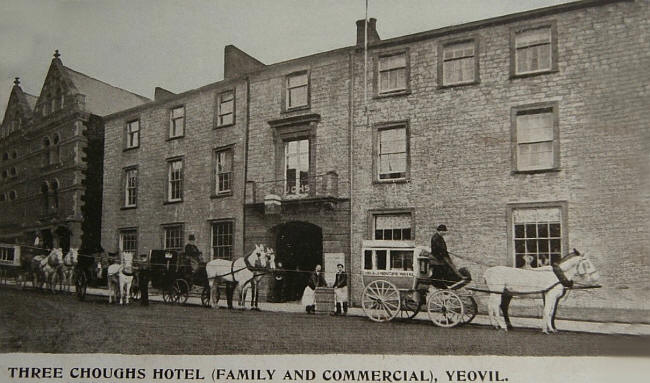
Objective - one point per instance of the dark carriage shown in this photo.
(177, 276)
(91, 270)
(401, 279)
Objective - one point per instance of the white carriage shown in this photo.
(399, 281)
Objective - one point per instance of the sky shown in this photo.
(178, 44)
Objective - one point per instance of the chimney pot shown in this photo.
(372, 31)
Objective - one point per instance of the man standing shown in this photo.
(341, 290)
(316, 279)
(143, 281)
(439, 250)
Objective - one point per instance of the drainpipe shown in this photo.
(248, 115)
(350, 161)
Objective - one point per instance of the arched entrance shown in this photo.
(63, 234)
(299, 247)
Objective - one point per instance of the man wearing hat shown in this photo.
(439, 249)
(193, 253)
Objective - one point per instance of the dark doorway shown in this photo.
(299, 247)
(63, 234)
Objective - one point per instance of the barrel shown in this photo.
(324, 297)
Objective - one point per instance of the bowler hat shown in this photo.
(441, 228)
(192, 237)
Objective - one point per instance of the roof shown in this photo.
(31, 100)
(102, 98)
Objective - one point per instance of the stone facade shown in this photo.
(49, 148)
(462, 166)
(200, 203)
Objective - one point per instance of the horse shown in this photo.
(28, 266)
(52, 267)
(122, 274)
(550, 281)
(69, 264)
(242, 271)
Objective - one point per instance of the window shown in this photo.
(46, 148)
(222, 239)
(7, 254)
(392, 73)
(3, 197)
(296, 159)
(534, 50)
(388, 261)
(129, 240)
(395, 227)
(5, 156)
(538, 234)
(133, 134)
(535, 133)
(223, 171)
(459, 64)
(297, 90)
(54, 195)
(173, 237)
(54, 150)
(177, 122)
(13, 172)
(226, 109)
(12, 195)
(392, 148)
(175, 180)
(131, 187)
(14, 154)
(45, 191)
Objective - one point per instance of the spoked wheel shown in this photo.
(181, 291)
(381, 301)
(410, 304)
(470, 308)
(445, 308)
(205, 296)
(134, 291)
(168, 294)
(81, 285)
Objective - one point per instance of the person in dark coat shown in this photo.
(439, 252)
(143, 281)
(278, 283)
(341, 290)
(192, 252)
(316, 279)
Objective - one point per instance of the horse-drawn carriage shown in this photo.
(177, 276)
(9, 261)
(401, 279)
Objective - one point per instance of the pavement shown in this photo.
(517, 321)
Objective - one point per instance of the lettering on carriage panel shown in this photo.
(475, 376)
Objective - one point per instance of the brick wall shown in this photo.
(460, 148)
(200, 139)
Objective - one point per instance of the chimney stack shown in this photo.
(372, 31)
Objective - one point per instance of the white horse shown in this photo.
(505, 282)
(121, 274)
(69, 263)
(241, 271)
(52, 267)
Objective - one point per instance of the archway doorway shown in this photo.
(48, 239)
(299, 247)
(63, 234)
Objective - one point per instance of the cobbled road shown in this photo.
(34, 321)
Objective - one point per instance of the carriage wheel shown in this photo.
(134, 291)
(470, 308)
(381, 301)
(445, 308)
(81, 285)
(168, 294)
(181, 291)
(410, 304)
(205, 296)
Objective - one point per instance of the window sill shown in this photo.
(459, 85)
(222, 194)
(537, 171)
(395, 93)
(296, 108)
(172, 202)
(532, 74)
(131, 148)
(394, 181)
(128, 207)
(224, 125)
(175, 138)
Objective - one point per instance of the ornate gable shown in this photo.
(18, 111)
(56, 89)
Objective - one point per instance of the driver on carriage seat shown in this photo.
(439, 250)
(192, 252)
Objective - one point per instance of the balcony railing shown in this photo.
(312, 187)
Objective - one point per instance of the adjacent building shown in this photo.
(52, 152)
